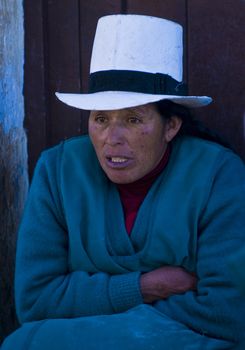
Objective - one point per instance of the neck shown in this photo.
(133, 194)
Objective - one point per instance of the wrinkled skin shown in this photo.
(165, 281)
(137, 136)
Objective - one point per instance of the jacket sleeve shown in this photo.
(44, 286)
(217, 308)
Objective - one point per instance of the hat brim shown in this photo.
(112, 100)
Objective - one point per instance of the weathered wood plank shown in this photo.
(34, 80)
(13, 188)
(63, 67)
(170, 9)
(13, 155)
(216, 54)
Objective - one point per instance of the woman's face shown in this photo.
(129, 142)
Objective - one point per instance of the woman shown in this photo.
(127, 232)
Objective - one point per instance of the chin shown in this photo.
(123, 178)
(120, 179)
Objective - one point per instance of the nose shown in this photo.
(115, 135)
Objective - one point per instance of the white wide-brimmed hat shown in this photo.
(135, 60)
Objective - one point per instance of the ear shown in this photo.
(172, 128)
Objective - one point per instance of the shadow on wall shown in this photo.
(244, 125)
(13, 187)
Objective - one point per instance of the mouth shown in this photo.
(118, 162)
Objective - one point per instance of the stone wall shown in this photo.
(13, 154)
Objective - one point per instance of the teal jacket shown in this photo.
(237, 267)
(77, 270)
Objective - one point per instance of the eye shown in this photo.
(100, 119)
(134, 120)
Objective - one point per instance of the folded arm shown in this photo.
(216, 308)
(45, 286)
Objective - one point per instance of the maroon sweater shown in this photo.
(133, 194)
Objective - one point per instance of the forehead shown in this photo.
(143, 110)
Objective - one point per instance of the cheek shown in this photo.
(94, 133)
(142, 141)
(92, 129)
(150, 146)
(147, 130)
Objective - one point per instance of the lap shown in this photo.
(141, 328)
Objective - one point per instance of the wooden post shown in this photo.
(13, 155)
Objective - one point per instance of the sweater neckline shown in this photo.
(132, 195)
(118, 238)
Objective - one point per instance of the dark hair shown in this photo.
(190, 125)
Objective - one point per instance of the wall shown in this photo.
(59, 36)
(13, 154)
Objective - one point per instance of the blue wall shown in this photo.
(11, 64)
(13, 154)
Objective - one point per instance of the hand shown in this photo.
(166, 281)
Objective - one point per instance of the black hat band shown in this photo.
(134, 81)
